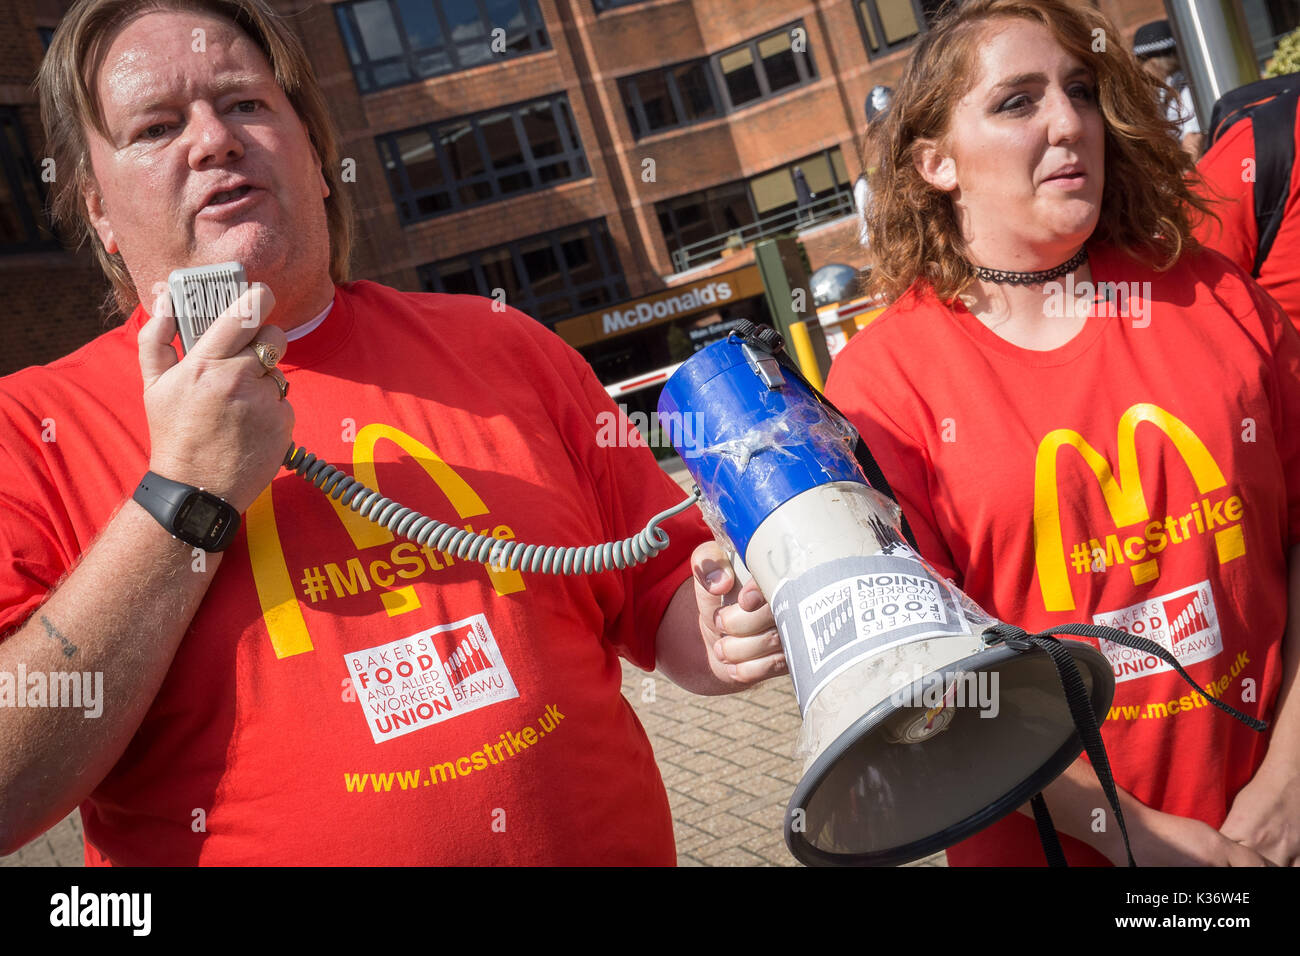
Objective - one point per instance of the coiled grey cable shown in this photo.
(468, 546)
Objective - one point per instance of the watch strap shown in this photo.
(166, 500)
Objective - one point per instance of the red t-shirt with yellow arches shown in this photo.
(1145, 475)
(344, 696)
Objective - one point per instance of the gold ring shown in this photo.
(281, 382)
(267, 354)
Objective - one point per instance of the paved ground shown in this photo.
(726, 762)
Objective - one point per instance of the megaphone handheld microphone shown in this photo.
(925, 719)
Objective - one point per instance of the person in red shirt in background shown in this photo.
(1086, 417)
(1230, 172)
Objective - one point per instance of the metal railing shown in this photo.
(820, 210)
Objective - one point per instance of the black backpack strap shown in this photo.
(1235, 105)
(1273, 124)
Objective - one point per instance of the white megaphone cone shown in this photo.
(920, 725)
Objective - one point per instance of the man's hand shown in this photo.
(1265, 816)
(216, 419)
(736, 623)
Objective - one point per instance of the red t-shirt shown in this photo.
(1231, 187)
(343, 696)
(1161, 450)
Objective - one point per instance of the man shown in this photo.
(1154, 46)
(322, 691)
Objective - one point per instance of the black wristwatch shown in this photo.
(191, 514)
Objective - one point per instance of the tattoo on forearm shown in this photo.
(68, 647)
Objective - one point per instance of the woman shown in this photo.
(1087, 418)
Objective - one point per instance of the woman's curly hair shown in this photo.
(1148, 206)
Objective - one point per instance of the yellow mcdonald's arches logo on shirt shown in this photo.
(1127, 505)
(281, 610)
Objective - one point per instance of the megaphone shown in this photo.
(920, 725)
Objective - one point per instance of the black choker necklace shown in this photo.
(1033, 278)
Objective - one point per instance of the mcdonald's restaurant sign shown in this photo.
(1212, 513)
(683, 300)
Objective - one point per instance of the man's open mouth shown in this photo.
(230, 195)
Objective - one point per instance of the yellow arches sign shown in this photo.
(281, 609)
(1127, 505)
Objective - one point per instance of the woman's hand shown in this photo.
(1265, 815)
(1162, 839)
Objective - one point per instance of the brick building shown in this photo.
(565, 155)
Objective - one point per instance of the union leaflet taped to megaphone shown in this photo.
(921, 725)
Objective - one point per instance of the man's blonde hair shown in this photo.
(70, 106)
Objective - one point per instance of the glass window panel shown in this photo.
(818, 173)
(458, 278)
(390, 167)
(569, 124)
(542, 266)
(579, 251)
(540, 130)
(378, 31)
(421, 162)
(593, 297)
(475, 192)
(897, 19)
(841, 173)
(463, 19)
(507, 13)
(553, 309)
(349, 37)
(773, 190)
(778, 62)
(462, 150)
(554, 172)
(658, 107)
(12, 231)
(502, 143)
(633, 123)
(392, 73)
(864, 9)
(738, 71)
(433, 204)
(499, 272)
(433, 62)
(474, 53)
(420, 23)
(515, 182)
(693, 91)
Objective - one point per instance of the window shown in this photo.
(601, 5)
(673, 96)
(549, 276)
(888, 25)
(765, 66)
(23, 226)
(391, 42)
(696, 226)
(448, 166)
(703, 89)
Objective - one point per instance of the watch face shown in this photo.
(197, 517)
